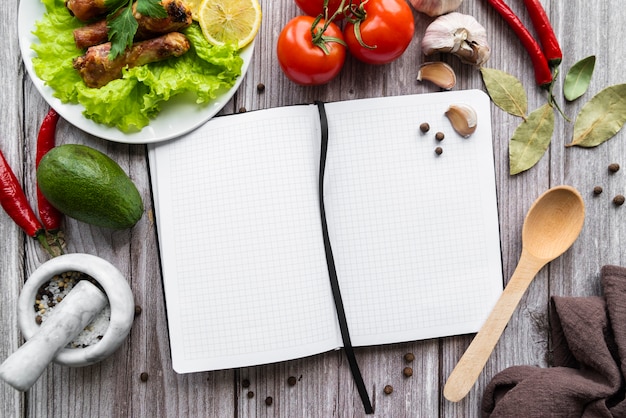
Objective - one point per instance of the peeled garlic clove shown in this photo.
(438, 73)
(463, 119)
(435, 7)
(458, 34)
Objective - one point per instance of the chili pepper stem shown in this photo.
(43, 240)
(57, 240)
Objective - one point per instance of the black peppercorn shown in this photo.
(424, 127)
(269, 401)
(408, 372)
(438, 150)
(245, 383)
(409, 357)
(143, 377)
(388, 389)
(597, 190)
(250, 395)
(292, 381)
(137, 310)
(618, 200)
(614, 167)
(439, 136)
(260, 87)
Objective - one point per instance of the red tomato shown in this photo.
(388, 28)
(316, 7)
(304, 62)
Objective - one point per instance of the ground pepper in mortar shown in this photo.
(52, 293)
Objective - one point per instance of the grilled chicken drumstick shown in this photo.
(178, 18)
(97, 69)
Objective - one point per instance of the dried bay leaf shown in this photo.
(506, 91)
(578, 78)
(600, 118)
(531, 139)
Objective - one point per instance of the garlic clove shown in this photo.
(458, 34)
(438, 73)
(434, 8)
(463, 119)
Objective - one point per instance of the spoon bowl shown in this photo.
(552, 224)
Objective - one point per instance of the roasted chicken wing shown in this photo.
(178, 18)
(97, 69)
(86, 10)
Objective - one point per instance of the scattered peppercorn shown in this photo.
(143, 377)
(439, 136)
(619, 200)
(245, 383)
(250, 395)
(409, 357)
(597, 190)
(424, 127)
(614, 167)
(242, 110)
(260, 88)
(269, 401)
(292, 381)
(38, 319)
(388, 389)
(137, 310)
(438, 150)
(408, 372)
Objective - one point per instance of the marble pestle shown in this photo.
(77, 309)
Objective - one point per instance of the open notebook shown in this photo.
(414, 234)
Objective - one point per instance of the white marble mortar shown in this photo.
(117, 291)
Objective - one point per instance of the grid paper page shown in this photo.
(415, 235)
(243, 261)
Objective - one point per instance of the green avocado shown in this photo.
(87, 185)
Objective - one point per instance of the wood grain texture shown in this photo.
(323, 386)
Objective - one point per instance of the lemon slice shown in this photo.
(194, 5)
(230, 21)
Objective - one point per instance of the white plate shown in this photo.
(177, 117)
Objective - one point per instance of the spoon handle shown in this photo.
(475, 357)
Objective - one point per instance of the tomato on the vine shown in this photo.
(307, 59)
(379, 31)
(316, 7)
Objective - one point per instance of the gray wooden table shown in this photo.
(324, 386)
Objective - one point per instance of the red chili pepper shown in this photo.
(13, 201)
(545, 32)
(543, 75)
(50, 216)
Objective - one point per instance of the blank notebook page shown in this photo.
(415, 234)
(243, 261)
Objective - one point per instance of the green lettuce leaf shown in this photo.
(132, 101)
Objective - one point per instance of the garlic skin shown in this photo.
(434, 8)
(458, 34)
(438, 73)
(463, 119)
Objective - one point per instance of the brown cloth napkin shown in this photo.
(589, 365)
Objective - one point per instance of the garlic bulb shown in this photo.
(458, 34)
(435, 7)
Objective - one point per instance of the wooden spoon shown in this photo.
(552, 224)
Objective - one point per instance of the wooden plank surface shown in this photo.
(323, 385)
